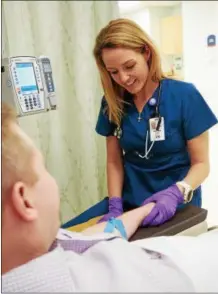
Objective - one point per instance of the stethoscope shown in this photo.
(155, 103)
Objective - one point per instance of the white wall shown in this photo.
(149, 18)
(176, 10)
(141, 17)
(201, 67)
(156, 15)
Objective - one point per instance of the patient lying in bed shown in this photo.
(37, 256)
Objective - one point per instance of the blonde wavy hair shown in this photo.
(126, 34)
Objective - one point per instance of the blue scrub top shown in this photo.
(186, 116)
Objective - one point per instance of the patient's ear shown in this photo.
(23, 202)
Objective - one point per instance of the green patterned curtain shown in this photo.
(65, 31)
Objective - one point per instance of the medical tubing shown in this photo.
(114, 223)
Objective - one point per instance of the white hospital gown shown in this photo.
(196, 256)
(112, 265)
(163, 264)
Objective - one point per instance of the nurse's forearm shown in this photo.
(131, 221)
(198, 149)
(197, 174)
(115, 176)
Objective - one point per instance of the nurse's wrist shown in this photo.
(181, 189)
(114, 196)
(186, 191)
(115, 205)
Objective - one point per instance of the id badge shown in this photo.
(156, 135)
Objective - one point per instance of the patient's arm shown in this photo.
(131, 221)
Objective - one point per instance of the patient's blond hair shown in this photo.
(16, 154)
(126, 34)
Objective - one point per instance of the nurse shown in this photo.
(156, 129)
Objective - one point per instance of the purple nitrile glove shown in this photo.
(115, 209)
(166, 204)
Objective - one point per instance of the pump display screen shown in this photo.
(26, 78)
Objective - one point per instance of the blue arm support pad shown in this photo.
(114, 223)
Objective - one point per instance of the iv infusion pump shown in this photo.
(28, 85)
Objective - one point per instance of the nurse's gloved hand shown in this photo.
(166, 204)
(115, 209)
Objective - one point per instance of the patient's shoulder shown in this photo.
(50, 269)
